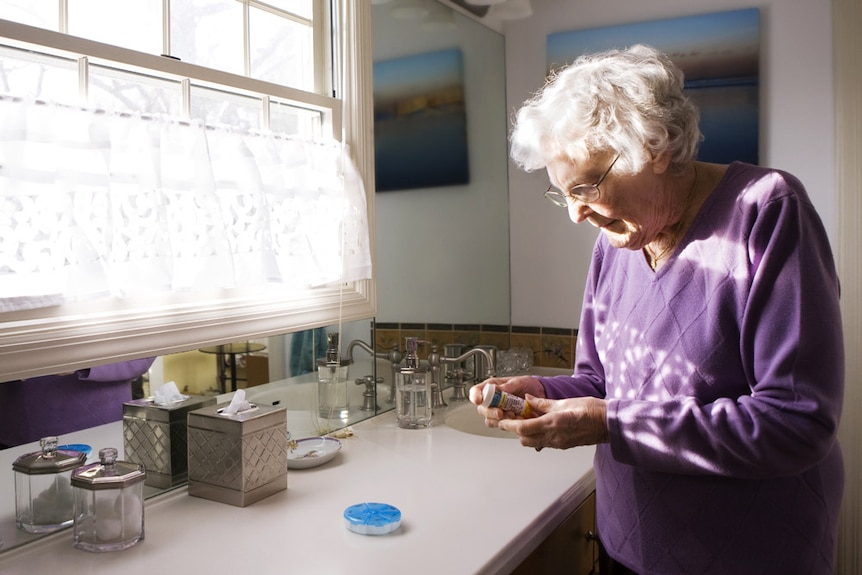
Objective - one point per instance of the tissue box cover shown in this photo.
(240, 458)
(156, 437)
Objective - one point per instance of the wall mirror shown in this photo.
(442, 254)
(444, 251)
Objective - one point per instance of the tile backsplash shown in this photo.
(551, 347)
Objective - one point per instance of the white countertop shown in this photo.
(469, 504)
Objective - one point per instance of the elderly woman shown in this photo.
(709, 369)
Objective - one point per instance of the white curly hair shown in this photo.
(629, 102)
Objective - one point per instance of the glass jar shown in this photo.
(333, 393)
(109, 504)
(43, 492)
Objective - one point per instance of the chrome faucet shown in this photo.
(361, 344)
(488, 353)
(393, 356)
(434, 362)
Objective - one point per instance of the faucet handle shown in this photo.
(395, 355)
(459, 388)
(434, 356)
(369, 395)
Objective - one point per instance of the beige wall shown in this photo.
(194, 372)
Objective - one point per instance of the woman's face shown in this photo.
(631, 209)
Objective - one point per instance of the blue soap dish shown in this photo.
(372, 518)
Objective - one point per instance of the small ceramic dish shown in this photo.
(311, 452)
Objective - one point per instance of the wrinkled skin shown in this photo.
(557, 423)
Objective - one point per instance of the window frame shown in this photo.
(84, 334)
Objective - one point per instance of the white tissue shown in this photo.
(168, 393)
(237, 403)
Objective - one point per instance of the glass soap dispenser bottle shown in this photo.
(43, 490)
(413, 390)
(333, 397)
(109, 504)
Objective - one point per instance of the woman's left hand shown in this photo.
(564, 423)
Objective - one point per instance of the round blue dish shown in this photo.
(372, 518)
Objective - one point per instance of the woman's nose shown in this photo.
(578, 211)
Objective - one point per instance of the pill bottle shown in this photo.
(493, 397)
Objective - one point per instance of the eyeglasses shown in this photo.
(582, 192)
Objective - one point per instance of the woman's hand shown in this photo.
(563, 423)
(520, 385)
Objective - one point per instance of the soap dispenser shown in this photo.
(333, 399)
(413, 391)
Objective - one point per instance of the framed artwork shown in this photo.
(420, 122)
(720, 56)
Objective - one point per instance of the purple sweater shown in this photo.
(59, 404)
(724, 376)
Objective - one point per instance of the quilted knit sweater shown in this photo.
(60, 404)
(724, 377)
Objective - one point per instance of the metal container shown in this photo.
(109, 504)
(156, 436)
(43, 492)
(239, 458)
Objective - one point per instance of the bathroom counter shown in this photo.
(469, 504)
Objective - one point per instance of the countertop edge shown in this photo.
(534, 533)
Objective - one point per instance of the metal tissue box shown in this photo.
(239, 458)
(156, 436)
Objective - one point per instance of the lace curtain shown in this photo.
(97, 204)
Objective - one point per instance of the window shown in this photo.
(271, 75)
(136, 24)
(278, 43)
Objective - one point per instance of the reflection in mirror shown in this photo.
(281, 370)
(444, 250)
(325, 389)
(62, 403)
(442, 259)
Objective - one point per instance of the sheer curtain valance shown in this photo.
(95, 203)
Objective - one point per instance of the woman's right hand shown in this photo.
(520, 385)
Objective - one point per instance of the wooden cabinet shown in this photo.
(570, 548)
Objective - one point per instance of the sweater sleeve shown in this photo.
(123, 371)
(588, 377)
(792, 358)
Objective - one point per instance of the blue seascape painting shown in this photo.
(420, 122)
(720, 56)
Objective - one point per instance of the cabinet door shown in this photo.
(570, 548)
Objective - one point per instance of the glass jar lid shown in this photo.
(108, 473)
(49, 460)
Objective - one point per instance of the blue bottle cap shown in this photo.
(372, 518)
